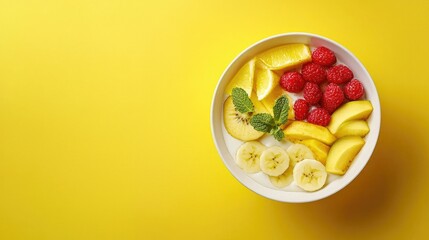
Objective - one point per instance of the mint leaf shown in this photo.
(241, 100)
(263, 122)
(277, 133)
(280, 110)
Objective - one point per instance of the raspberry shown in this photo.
(301, 107)
(332, 98)
(292, 82)
(323, 56)
(312, 93)
(313, 72)
(353, 89)
(319, 116)
(339, 74)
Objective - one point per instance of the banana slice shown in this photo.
(283, 180)
(310, 175)
(298, 152)
(274, 161)
(248, 155)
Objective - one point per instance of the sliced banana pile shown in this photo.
(297, 164)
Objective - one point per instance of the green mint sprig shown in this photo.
(241, 101)
(264, 122)
(280, 110)
(278, 134)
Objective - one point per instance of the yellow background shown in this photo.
(105, 133)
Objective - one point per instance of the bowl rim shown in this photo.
(311, 196)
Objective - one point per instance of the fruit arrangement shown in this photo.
(300, 116)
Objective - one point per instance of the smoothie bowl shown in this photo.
(295, 117)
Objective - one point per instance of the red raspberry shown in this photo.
(332, 98)
(301, 107)
(323, 56)
(292, 82)
(353, 89)
(313, 72)
(312, 93)
(319, 116)
(339, 74)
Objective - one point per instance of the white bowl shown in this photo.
(344, 56)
